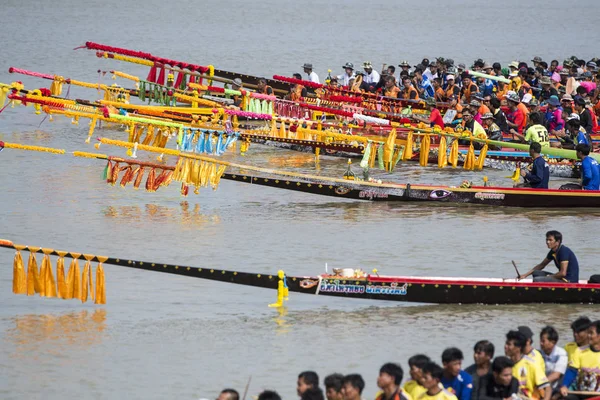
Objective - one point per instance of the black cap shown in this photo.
(525, 330)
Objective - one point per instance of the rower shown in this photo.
(590, 173)
(390, 89)
(263, 88)
(435, 117)
(564, 259)
(390, 377)
(409, 92)
(236, 84)
(515, 118)
(333, 387)
(413, 386)
(432, 376)
(347, 75)
(312, 76)
(536, 132)
(470, 124)
(297, 91)
(539, 176)
(555, 357)
(423, 85)
(583, 366)
(352, 387)
(454, 379)
(534, 354)
(500, 383)
(483, 353)
(532, 379)
(580, 335)
(371, 77)
(491, 129)
(577, 131)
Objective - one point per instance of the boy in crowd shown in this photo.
(333, 386)
(352, 387)
(454, 379)
(500, 383)
(413, 387)
(432, 376)
(390, 377)
(483, 353)
(307, 380)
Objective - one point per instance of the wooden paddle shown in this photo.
(247, 386)
(516, 269)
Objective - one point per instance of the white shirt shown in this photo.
(313, 77)
(428, 74)
(556, 361)
(371, 78)
(345, 79)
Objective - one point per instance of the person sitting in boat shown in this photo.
(452, 88)
(352, 387)
(409, 92)
(237, 84)
(454, 379)
(555, 357)
(312, 75)
(469, 124)
(515, 118)
(533, 382)
(307, 380)
(297, 91)
(389, 380)
(432, 377)
(583, 369)
(483, 354)
(491, 129)
(371, 77)
(423, 85)
(529, 351)
(263, 88)
(348, 74)
(554, 120)
(580, 335)
(390, 89)
(564, 259)
(413, 387)
(440, 94)
(500, 382)
(474, 106)
(435, 117)
(590, 170)
(539, 174)
(499, 116)
(229, 394)
(576, 130)
(333, 387)
(468, 88)
(536, 132)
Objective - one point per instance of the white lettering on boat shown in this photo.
(370, 194)
(489, 196)
(393, 289)
(337, 287)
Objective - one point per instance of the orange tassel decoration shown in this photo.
(33, 277)
(86, 280)
(19, 277)
(74, 279)
(60, 275)
(127, 176)
(138, 178)
(48, 277)
(100, 284)
(115, 174)
(150, 181)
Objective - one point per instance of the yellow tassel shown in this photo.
(373, 155)
(282, 133)
(19, 277)
(74, 279)
(273, 132)
(454, 153)
(408, 150)
(60, 275)
(442, 156)
(470, 159)
(33, 277)
(424, 152)
(86, 280)
(481, 158)
(100, 285)
(218, 176)
(49, 283)
(388, 151)
(91, 130)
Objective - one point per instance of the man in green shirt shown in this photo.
(536, 132)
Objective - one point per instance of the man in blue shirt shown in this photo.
(564, 259)
(423, 85)
(540, 170)
(590, 172)
(454, 379)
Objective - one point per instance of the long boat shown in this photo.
(395, 192)
(439, 290)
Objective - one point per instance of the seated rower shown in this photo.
(493, 131)
(297, 91)
(590, 170)
(539, 176)
(236, 84)
(536, 132)
(390, 377)
(564, 259)
(435, 117)
(500, 382)
(263, 88)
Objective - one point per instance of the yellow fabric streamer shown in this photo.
(74, 279)
(100, 285)
(470, 159)
(388, 151)
(408, 150)
(19, 277)
(86, 280)
(454, 153)
(424, 152)
(60, 276)
(282, 133)
(442, 153)
(48, 277)
(33, 277)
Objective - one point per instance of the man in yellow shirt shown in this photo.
(580, 335)
(536, 132)
(416, 364)
(432, 376)
(532, 379)
(529, 350)
(584, 366)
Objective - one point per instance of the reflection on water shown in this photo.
(282, 323)
(33, 335)
(185, 214)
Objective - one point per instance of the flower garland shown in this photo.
(346, 99)
(304, 83)
(245, 114)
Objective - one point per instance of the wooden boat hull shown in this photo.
(491, 196)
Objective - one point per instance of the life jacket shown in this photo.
(266, 90)
(296, 94)
(407, 92)
(450, 91)
(440, 95)
(468, 91)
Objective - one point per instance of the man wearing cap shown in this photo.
(554, 120)
(536, 61)
(347, 75)
(547, 89)
(435, 117)
(452, 88)
(371, 77)
(312, 75)
(515, 118)
(474, 107)
(405, 66)
(469, 124)
(236, 84)
(590, 174)
(529, 351)
(493, 131)
(539, 176)
(564, 260)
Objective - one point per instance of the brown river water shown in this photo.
(162, 336)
